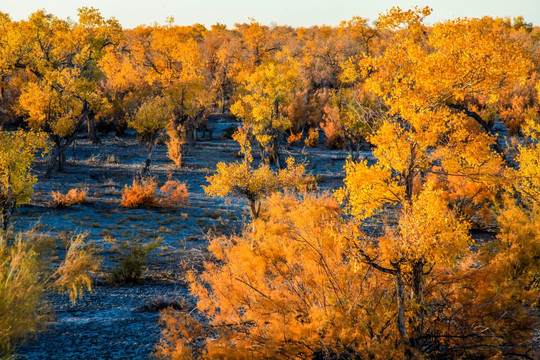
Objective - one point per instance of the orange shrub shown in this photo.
(175, 143)
(333, 132)
(144, 194)
(294, 137)
(173, 193)
(72, 197)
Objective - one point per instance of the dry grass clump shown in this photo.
(21, 291)
(74, 196)
(144, 194)
(27, 271)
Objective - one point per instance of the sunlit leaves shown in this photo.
(17, 153)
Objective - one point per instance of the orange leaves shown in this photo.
(173, 194)
(285, 289)
(141, 194)
(74, 196)
(175, 143)
(144, 194)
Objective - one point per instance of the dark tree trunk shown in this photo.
(58, 157)
(418, 297)
(91, 123)
(400, 294)
(488, 129)
(148, 161)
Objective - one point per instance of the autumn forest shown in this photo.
(363, 191)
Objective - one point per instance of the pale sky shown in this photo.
(131, 13)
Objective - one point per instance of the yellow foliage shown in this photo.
(527, 178)
(21, 291)
(427, 230)
(73, 275)
(17, 153)
(313, 138)
(26, 273)
(241, 180)
(267, 88)
(152, 117)
(368, 188)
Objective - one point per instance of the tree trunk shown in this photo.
(418, 297)
(91, 123)
(148, 160)
(92, 134)
(61, 160)
(276, 152)
(58, 157)
(400, 293)
(409, 176)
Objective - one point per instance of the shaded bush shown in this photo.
(131, 257)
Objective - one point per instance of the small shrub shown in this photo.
(73, 275)
(111, 159)
(144, 194)
(132, 255)
(294, 137)
(74, 196)
(141, 194)
(27, 272)
(173, 194)
(313, 138)
(21, 292)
